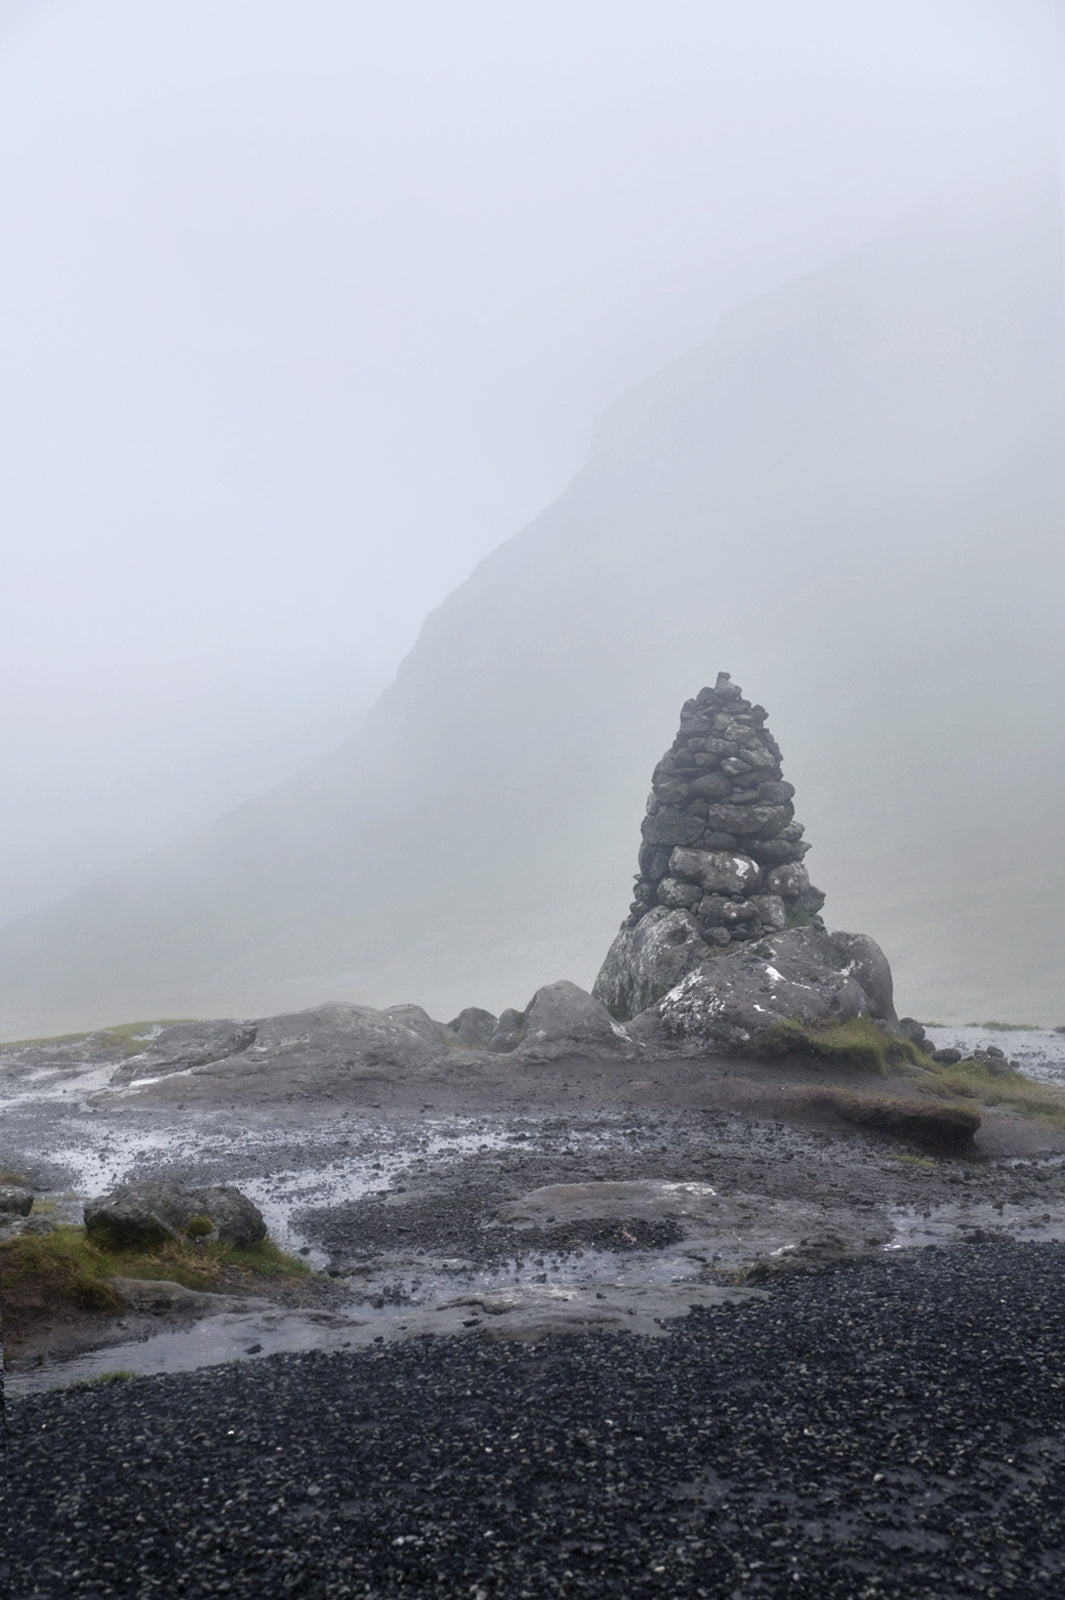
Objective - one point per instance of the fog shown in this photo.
(308, 307)
(311, 307)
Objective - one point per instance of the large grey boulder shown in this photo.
(864, 958)
(418, 1020)
(729, 1002)
(508, 1032)
(143, 1215)
(564, 1020)
(646, 961)
(473, 1027)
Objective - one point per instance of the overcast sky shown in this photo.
(308, 304)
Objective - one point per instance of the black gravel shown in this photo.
(889, 1428)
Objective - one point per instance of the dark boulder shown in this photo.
(145, 1215)
(564, 1020)
(15, 1200)
(509, 1031)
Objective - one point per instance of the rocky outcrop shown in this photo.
(323, 1050)
(186, 1045)
(730, 1002)
(144, 1215)
(720, 840)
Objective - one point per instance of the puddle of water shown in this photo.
(593, 1287)
(918, 1226)
(208, 1343)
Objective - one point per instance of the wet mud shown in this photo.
(574, 1199)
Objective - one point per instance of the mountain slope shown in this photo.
(852, 499)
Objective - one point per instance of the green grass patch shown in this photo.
(973, 1080)
(858, 1044)
(17, 1179)
(63, 1267)
(1006, 1027)
(103, 1380)
(128, 1036)
(45, 1275)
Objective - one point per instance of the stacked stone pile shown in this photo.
(720, 840)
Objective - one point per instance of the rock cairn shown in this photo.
(720, 840)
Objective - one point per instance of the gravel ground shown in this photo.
(883, 1428)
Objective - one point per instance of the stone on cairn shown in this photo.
(720, 839)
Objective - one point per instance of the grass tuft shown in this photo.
(858, 1044)
(1006, 1027)
(973, 1080)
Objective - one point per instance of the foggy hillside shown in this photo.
(852, 499)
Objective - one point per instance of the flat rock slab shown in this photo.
(160, 1294)
(727, 1229)
(534, 1312)
(654, 1199)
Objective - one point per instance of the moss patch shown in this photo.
(858, 1044)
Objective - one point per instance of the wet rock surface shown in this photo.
(875, 1429)
(409, 1190)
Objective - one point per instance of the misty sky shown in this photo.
(309, 305)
